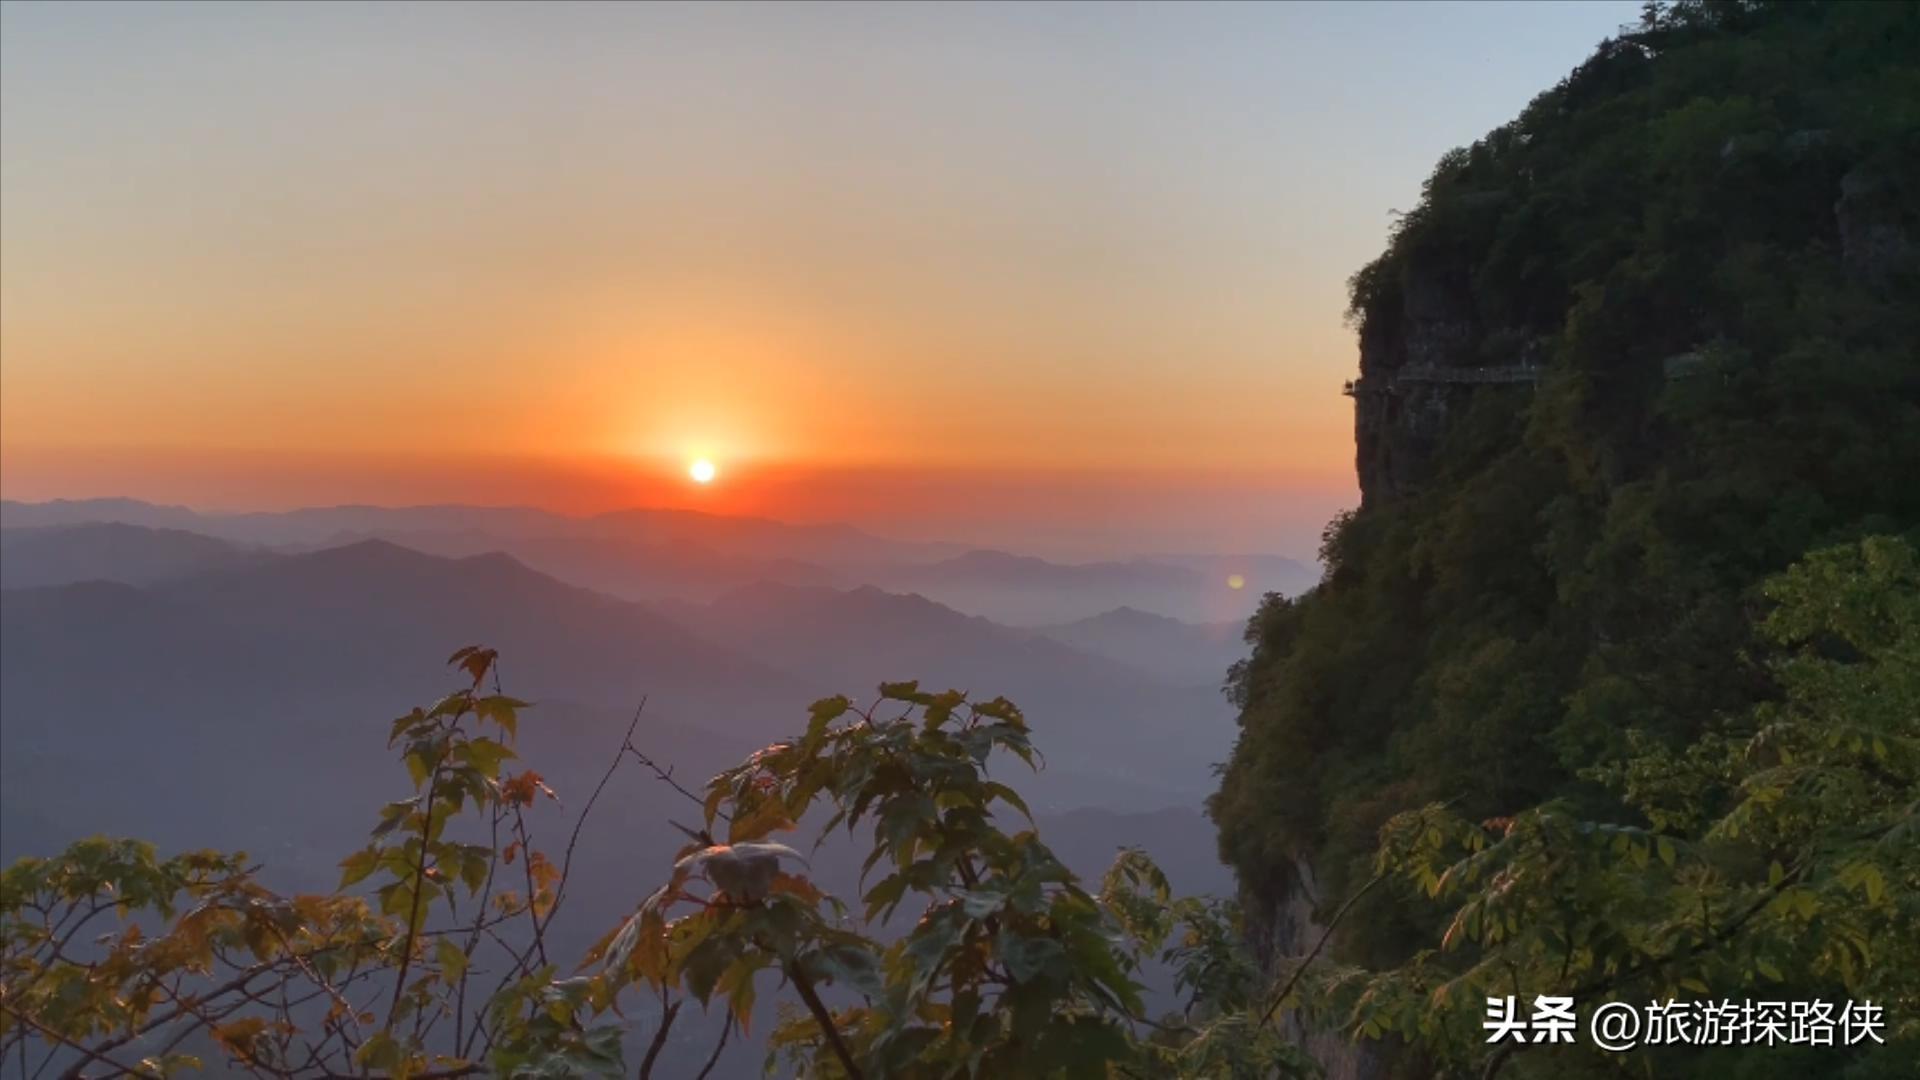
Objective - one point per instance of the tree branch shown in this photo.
(667, 1014)
(1317, 946)
(726, 1029)
(566, 861)
(804, 986)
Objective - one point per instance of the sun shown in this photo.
(702, 471)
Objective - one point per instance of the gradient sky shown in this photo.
(1067, 276)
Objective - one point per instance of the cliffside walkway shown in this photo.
(1430, 373)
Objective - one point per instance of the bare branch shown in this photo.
(726, 1029)
(566, 861)
(667, 1014)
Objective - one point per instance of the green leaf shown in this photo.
(737, 984)
(1028, 956)
(418, 768)
(1006, 794)
(503, 711)
(850, 966)
(355, 867)
(821, 714)
(380, 1051)
(474, 867)
(886, 895)
(982, 903)
(396, 899)
(453, 961)
(485, 755)
(927, 949)
(704, 964)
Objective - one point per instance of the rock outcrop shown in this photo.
(1419, 368)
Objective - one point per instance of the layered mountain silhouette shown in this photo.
(656, 555)
(196, 676)
(1134, 734)
(228, 681)
(1023, 590)
(112, 551)
(1183, 653)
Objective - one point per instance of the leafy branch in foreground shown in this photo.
(433, 959)
(1010, 968)
(1777, 857)
(205, 959)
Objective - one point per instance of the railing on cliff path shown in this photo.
(1431, 373)
(1677, 366)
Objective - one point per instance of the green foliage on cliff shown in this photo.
(1706, 235)
(1776, 859)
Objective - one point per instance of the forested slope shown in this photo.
(1633, 352)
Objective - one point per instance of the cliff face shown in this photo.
(1398, 421)
(1426, 355)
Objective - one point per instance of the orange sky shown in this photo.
(1071, 268)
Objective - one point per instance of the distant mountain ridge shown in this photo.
(112, 551)
(327, 525)
(1028, 591)
(238, 696)
(1121, 722)
(662, 555)
(1197, 654)
(238, 648)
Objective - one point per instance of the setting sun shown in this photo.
(702, 471)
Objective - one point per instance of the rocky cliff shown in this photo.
(1422, 362)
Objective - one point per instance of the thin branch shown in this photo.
(533, 892)
(667, 1014)
(1332, 923)
(566, 861)
(91, 1055)
(804, 986)
(666, 776)
(726, 1029)
(419, 879)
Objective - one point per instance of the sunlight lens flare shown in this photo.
(702, 471)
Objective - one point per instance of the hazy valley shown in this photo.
(180, 658)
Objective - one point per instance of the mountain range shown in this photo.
(652, 555)
(228, 680)
(245, 674)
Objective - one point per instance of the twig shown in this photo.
(726, 1029)
(666, 775)
(91, 1055)
(419, 879)
(667, 1013)
(526, 864)
(804, 986)
(566, 861)
(1317, 946)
